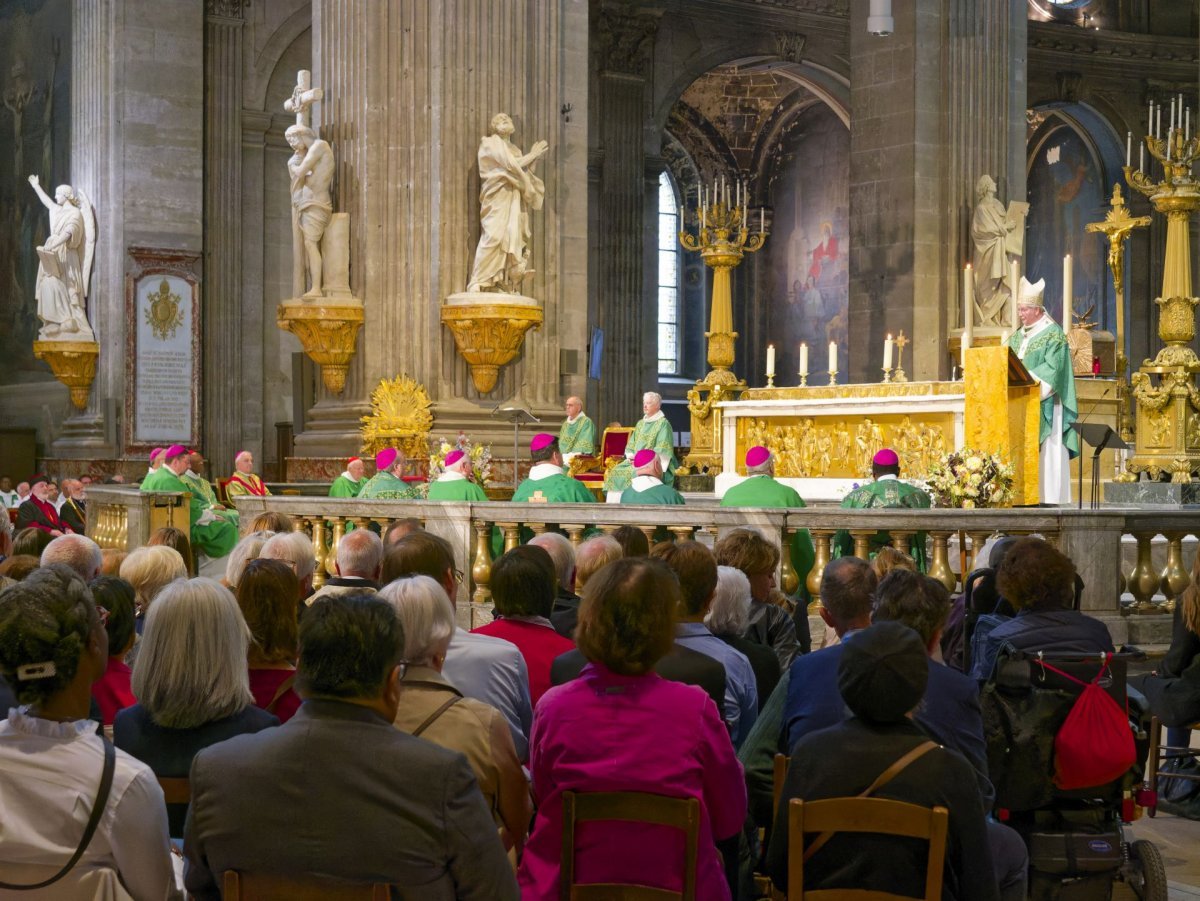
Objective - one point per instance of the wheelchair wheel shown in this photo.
(1147, 876)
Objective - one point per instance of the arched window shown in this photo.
(668, 277)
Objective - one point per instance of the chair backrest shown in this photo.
(874, 815)
(267, 887)
(781, 768)
(175, 789)
(614, 440)
(639, 807)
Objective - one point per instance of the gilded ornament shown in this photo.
(327, 332)
(400, 417)
(489, 335)
(163, 313)
(73, 363)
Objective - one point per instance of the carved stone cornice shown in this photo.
(226, 9)
(1066, 45)
(625, 41)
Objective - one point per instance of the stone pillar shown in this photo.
(226, 430)
(623, 41)
(410, 88)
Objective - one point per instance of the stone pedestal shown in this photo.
(488, 330)
(1152, 494)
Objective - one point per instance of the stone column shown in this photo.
(226, 430)
(256, 315)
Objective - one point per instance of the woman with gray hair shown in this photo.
(727, 619)
(191, 682)
(433, 709)
(247, 549)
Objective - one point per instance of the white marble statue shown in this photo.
(311, 167)
(998, 236)
(65, 265)
(507, 192)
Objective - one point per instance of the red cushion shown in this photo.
(614, 444)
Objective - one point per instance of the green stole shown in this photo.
(884, 493)
(1048, 356)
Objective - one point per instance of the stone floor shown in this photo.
(1178, 841)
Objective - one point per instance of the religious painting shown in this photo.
(35, 81)
(810, 294)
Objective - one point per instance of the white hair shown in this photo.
(561, 552)
(191, 663)
(592, 556)
(426, 617)
(294, 548)
(652, 395)
(76, 551)
(243, 552)
(359, 553)
(150, 569)
(729, 613)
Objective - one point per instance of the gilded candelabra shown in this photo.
(1168, 415)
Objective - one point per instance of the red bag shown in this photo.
(1094, 746)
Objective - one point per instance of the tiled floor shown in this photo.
(1178, 841)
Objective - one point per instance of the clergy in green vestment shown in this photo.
(388, 482)
(547, 484)
(885, 491)
(648, 487)
(577, 435)
(652, 431)
(760, 489)
(194, 478)
(455, 483)
(212, 536)
(1043, 348)
(351, 481)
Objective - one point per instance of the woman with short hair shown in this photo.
(169, 536)
(728, 618)
(52, 648)
(268, 594)
(113, 691)
(433, 709)
(758, 558)
(149, 570)
(190, 680)
(622, 727)
(247, 549)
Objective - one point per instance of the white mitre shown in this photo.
(1030, 295)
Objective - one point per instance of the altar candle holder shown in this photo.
(833, 377)
(887, 374)
(804, 380)
(771, 380)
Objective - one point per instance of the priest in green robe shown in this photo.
(351, 481)
(760, 489)
(388, 482)
(547, 482)
(455, 483)
(210, 535)
(652, 431)
(577, 435)
(647, 486)
(194, 478)
(885, 491)
(1042, 347)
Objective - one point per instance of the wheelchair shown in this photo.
(1076, 840)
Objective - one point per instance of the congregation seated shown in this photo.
(295, 549)
(76, 551)
(431, 707)
(271, 521)
(113, 691)
(770, 624)
(52, 648)
(190, 682)
(633, 541)
(728, 617)
(593, 554)
(18, 566)
(29, 541)
(358, 564)
(268, 596)
(149, 570)
(7, 532)
(566, 601)
(621, 727)
(247, 549)
(398, 528)
(169, 536)
(429, 828)
(111, 560)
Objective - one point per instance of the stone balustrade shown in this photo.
(122, 518)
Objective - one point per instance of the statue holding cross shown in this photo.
(311, 168)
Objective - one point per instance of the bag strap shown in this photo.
(106, 778)
(284, 687)
(1066, 675)
(429, 720)
(883, 779)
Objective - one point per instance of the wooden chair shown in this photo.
(176, 789)
(874, 815)
(1157, 755)
(639, 807)
(264, 887)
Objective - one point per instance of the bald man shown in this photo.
(578, 433)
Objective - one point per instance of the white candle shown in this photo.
(1158, 121)
(770, 361)
(1014, 276)
(803, 359)
(968, 303)
(1150, 127)
(1068, 292)
(1170, 133)
(1128, 148)
(1187, 124)
(1004, 336)
(1141, 157)
(762, 219)
(833, 356)
(887, 352)
(1171, 119)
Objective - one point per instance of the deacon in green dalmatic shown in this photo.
(455, 483)
(388, 482)
(577, 435)
(885, 491)
(547, 482)
(652, 431)
(211, 535)
(648, 487)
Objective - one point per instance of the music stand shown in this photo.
(1099, 436)
(518, 416)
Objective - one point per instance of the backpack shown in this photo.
(1094, 745)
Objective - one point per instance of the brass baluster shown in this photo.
(481, 568)
(1143, 581)
(902, 541)
(339, 532)
(681, 533)
(939, 567)
(862, 542)
(820, 538)
(538, 528)
(978, 540)
(608, 529)
(648, 531)
(319, 554)
(575, 534)
(1175, 576)
(512, 534)
(789, 582)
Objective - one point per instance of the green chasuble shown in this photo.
(655, 434)
(578, 437)
(553, 487)
(213, 539)
(444, 489)
(657, 494)
(200, 486)
(764, 491)
(1048, 356)
(384, 486)
(884, 492)
(344, 487)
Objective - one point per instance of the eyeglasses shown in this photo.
(103, 614)
(459, 575)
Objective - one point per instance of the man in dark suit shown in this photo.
(37, 511)
(387, 807)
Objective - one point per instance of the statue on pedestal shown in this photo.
(311, 168)
(998, 236)
(65, 265)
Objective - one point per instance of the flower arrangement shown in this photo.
(968, 479)
(480, 454)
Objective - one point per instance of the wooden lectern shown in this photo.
(1003, 414)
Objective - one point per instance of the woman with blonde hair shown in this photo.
(149, 570)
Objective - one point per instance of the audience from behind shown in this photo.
(434, 709)
(6, 534)
(247, 549)
(19, 566)
(272, 522)
(888, 558)
(522, 586)
(621, 727)
(76, 551)
(1039, 581)
(881, 675)
(31, 542)
(113, 691)
(565, 612)
(149, 570)
(847, 593)
(398, 528)
(190, 681)
(52, 648)
(728, 617)
(267, 596)
(633, 541)
(696, 570)
(488, 669)
(749, 551)
(419, 798)
(111, 560)
(984, 601)
(296, 550)
(358, 566)
(169, 536)
(593, 555)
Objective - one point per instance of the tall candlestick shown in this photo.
(1158, 121)
(1171, 120)
(1187, 124)
(1150, 126)
(1170, 136)
(770, 361)
(833, 356)
(1128, 147)
(1068, 292)
(887, 352)
(968, 304)
(1014, 276)
(803, 360)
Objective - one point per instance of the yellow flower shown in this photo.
(974, 463)
(968, 504)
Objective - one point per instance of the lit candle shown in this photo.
(1014, 277)
(1158, 121)
(1068, 292)
(770, 361)
(1128, 148)
(1004, 336)
(968, 303)
(887, 352)
(833, 356)
(803, 359)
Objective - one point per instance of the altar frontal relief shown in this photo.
(164, 365)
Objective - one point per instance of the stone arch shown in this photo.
(273, 51)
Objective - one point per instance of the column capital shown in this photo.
(232, 11)
(625, 40)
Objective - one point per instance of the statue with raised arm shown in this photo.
(311, 167)
(65, 265)
(507, 192)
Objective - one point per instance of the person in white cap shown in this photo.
(647, 486)
(1042, 347)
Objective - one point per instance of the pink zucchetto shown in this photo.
(757, 455)
(385, 458)
(175, 450)
(453, 457)
(541, 441)
(644, 457)
(886, 457)
(154, 453)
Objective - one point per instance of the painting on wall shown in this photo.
(35, 79)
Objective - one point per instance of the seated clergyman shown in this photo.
(647, 486)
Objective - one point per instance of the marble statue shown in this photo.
(311, 167)
(997, 235)
(507, 192)
(65, 265)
